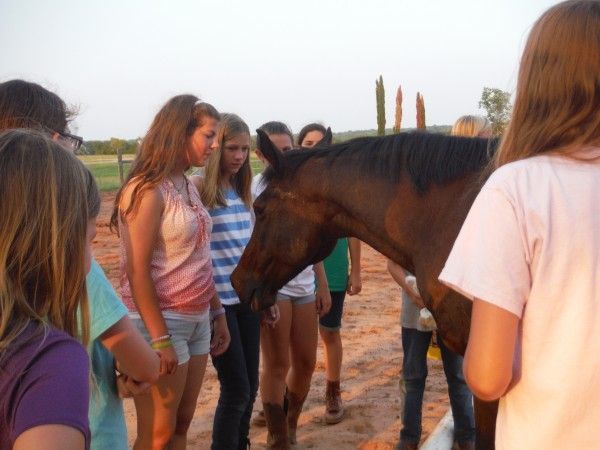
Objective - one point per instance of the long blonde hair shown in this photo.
(47, 198)
(558, 89)
(471, 126)
(162, 146)
(230, 126)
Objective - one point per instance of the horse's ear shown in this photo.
(328, 138)
(325, 140)
(268, 150)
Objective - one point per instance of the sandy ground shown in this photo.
(371, 368)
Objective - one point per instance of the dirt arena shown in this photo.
(371, 369)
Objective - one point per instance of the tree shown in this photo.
(398, 115)
(420, 112)
(380, 98)
(496, 103)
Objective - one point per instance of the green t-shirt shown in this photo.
(107, 419)
(336, 266)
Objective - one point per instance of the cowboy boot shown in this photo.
(295, 403)
(277, 438)
(334, 410)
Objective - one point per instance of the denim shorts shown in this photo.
(190, 338)
(333, 319)
(296, 300)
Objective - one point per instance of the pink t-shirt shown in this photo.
(531, 245)
(181, 267)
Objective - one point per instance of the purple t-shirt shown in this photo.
(43, 381)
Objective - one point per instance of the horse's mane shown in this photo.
(426, 157)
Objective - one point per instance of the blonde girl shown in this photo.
(225, 191)
(50, 202)
(166, 272)
(473, 126)
(528, 254)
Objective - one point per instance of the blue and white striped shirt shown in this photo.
(232, 227)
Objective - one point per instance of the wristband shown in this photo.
(160, 338)
(161, 344)
(217, 312)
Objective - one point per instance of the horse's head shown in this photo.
(290, 232)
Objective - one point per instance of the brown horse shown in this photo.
(405, 195)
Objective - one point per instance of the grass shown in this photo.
(106, 171)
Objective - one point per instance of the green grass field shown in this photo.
(106, 170)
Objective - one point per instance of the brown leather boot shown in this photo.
(295, 403)
(277, 438)
(334, 409)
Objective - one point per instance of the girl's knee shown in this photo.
(304, 366)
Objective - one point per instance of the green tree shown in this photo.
(380, 98)
(420, 112)
(496, 103)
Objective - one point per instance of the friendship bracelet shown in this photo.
(161, 344)
(160, 338)
(217, 312)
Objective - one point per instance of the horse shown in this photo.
(406, 195)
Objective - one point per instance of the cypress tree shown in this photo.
(420, 112)
(380, 98)
(398, 115)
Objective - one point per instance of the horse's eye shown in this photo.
(258, 210)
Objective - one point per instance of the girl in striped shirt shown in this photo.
(225, 190)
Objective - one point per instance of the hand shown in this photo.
(322, 301)
(168, 360)
(127, 387)
(354, 283)
(221, 338)
(270, 316)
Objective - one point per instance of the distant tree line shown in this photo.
(111, 146)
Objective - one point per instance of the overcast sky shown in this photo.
(294, 61)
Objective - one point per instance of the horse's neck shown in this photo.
(368, 214)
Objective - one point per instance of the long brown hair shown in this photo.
(162, 146)
(48, 197)
(230, 126)
(558, 89)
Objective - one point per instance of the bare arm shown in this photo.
(490, 351)
(140, 233)
(50, 437)
(132, 353)
(399, 275)
(355, 281)
(323, 296)
(221, 337)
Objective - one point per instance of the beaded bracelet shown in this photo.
(217, 312)
(160, 338)
(161, 344)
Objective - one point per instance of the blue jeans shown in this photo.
(237, 370)
(414, 374)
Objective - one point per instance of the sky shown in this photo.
(119, 61)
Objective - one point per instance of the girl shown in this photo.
(289, 348)
(44, 371)
(166, 273)
(336, 268)
(225, 191)
(533, 236)
(113, 338)
(472, 126)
